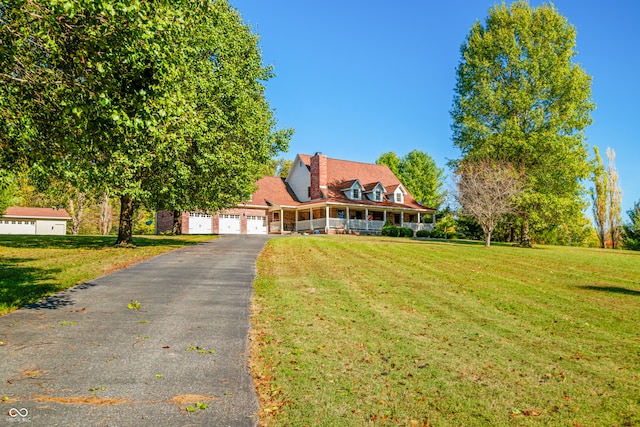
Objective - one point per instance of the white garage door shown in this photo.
(200, 223)
(229, 224)
(10, 226)
(256, 225)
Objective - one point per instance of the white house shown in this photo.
(20, 220)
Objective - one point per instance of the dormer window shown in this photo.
(356, 193)
(378, 195)
(398, 197)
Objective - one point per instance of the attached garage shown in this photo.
(200, 223)
(256, 224)
(229, 224)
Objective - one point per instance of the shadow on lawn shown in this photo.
(21, 286)
(612, 289)
(80, 242)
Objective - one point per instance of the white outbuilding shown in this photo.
(20, 220)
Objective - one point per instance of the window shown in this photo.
(356, 193)
(378, 195)
(398, 197)
(309, 192)
(300, 163)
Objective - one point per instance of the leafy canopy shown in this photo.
(158, 103)
(419, 173)
(520, 98)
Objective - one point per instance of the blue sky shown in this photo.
(358, 78)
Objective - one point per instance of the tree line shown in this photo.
(160, 105)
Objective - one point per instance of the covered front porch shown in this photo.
(340, 219)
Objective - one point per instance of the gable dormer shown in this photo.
(396, 195)
(354, 191)
(375, 191)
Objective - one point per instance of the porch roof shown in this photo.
(273, 190)
(366, 203)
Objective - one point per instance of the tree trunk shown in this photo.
(525, 240)
(76, 211)
(105, 215)
(177, 223)
(487, 239)
(125, 231)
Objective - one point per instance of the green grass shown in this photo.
(33, 267)
(359, 331)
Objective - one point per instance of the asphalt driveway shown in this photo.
(164, 342)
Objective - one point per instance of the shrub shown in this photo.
(423, 233)
(405, 232)
(390, 230)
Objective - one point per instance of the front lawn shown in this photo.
(33, 267)
(358, 331)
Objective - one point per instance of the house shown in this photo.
(21, 220)
(319, 195)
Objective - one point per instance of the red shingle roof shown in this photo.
(341, 173)
(22, 212)
(273, 190)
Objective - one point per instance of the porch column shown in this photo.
(418, 217)
(401, 218)
(281, 221)
(296, 219)
(366, 217)
(433, 217)
(384, 216)
(326, 222)
(311, 219)
(348, 219)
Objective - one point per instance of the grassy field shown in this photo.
(32, 267)
(359, 331)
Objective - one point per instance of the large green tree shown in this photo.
(420, 174)
(157, 103)
(520, 98)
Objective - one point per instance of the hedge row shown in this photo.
(391, 230)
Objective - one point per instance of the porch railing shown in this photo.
(344, 224)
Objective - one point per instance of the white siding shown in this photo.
(299, 179)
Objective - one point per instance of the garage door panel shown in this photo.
(256, 225)
(229, 224)
(200, 223)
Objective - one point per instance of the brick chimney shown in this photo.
(318, 176)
